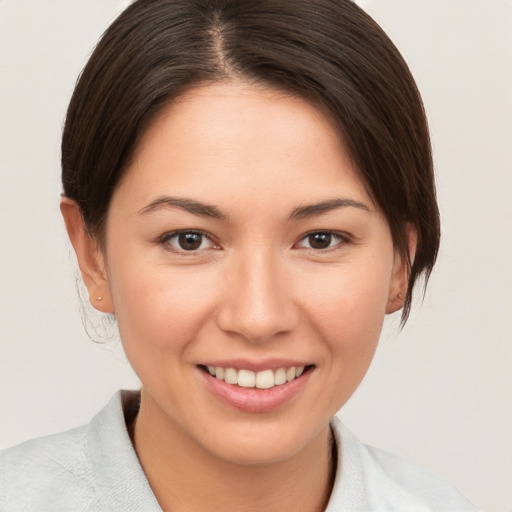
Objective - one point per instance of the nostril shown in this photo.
(257, 328)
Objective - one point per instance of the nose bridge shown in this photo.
(258, 302)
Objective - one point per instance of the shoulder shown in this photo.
(53, 469)
(377, 480)
(93, 467)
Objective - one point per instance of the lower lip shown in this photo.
(255, 400)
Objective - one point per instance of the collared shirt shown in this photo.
(95, 468)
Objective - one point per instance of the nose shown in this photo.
(258, 302)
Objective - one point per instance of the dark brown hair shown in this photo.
(328, 52)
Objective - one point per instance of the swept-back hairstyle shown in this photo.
(329, 52)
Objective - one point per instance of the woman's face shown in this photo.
(241, 242)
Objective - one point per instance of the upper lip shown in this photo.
(255, 366)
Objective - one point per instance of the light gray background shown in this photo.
(439, 393)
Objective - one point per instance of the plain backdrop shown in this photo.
(439, 393)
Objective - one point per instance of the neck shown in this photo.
(185, 477)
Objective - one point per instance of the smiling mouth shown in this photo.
(265, 379)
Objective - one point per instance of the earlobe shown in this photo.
(401, 272)
(90, 258)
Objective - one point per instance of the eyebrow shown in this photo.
(189, 205)
(310, 210)
(207, 210)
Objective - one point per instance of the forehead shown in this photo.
(235, 137)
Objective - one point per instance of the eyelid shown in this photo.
(166, 237)
(343, 239)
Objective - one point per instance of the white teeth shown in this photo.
(246, 378)
(280, 377)
(231, 376)
(264, 379)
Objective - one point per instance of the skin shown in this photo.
(255, 289)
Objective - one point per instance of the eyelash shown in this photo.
(339, 238)
(165, 239)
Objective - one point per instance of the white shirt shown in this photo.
(95, 468)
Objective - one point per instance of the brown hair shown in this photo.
(328, 52)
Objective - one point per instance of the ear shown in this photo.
(90, 257)
(400, 278)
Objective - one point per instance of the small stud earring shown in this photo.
(399, 296)
(100, 298)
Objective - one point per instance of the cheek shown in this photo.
(350, 297)
(159, 308)
(347, 308)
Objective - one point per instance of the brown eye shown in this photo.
(320, 240)
(188, 241)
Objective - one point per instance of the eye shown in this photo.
(187, 241)
(321, 240)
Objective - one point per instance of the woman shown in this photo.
(248, 188)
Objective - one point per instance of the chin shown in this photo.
(263, 442)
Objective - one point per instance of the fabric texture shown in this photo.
(95, 468)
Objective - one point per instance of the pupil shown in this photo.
(189, 241)
(320, 240)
